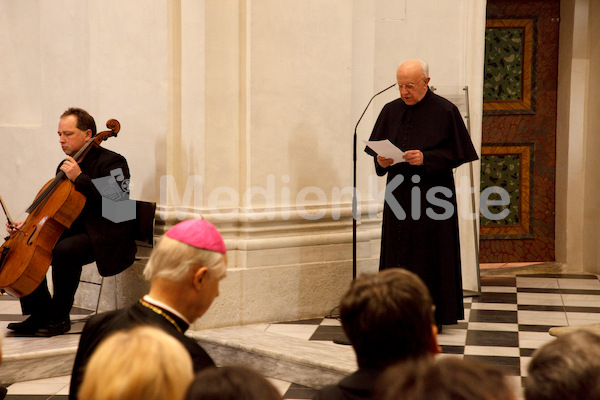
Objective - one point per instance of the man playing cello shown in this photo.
(90, 238)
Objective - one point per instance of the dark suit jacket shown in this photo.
(113, 243)
(357, 386)
(102, 325)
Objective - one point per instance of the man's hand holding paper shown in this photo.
(386, 151)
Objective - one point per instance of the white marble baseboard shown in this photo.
(309, 363)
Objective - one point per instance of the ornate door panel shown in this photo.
(518, 163)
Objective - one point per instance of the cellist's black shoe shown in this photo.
(29, 326)
(54, 328)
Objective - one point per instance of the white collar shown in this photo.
(166, 307)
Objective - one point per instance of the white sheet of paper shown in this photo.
(386, 149)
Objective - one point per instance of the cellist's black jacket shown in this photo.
(113, 243)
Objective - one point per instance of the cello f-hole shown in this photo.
(30, 240)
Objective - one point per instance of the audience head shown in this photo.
(448, 378)
(566, 368)
(190, 260)
(231, 383)
(143, 363)
(388, 317)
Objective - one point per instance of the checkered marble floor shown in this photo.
(503, 326)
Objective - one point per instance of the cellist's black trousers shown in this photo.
(71, 253)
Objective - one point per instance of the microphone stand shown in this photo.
(343, 339)
(354, 201)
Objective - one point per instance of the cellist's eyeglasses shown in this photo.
(410, 86)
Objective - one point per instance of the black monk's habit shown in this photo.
(420, 223)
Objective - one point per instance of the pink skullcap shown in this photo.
(198, 233)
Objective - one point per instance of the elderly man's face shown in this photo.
(412, 83)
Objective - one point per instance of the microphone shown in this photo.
(354, 202)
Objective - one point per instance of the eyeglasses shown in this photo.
(410, 86)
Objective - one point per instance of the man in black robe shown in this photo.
(420, 223)
(185, 270)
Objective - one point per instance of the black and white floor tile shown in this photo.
(503, 326)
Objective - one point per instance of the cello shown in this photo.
(26, 254)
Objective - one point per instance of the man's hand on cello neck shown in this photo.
(71, 168)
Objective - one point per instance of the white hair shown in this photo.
(173, 260)
(424, 68)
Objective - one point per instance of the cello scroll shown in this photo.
(113, 125)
